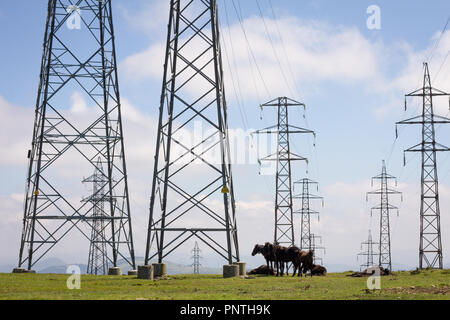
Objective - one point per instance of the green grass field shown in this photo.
(429, 284)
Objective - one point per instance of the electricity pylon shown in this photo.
(369, 253)
(384, 208)
(196, 257)
(316, 246)
(98, 254)
(79, 64)
(306, 212)
(430, 248)
(192, 180)
(284, 227)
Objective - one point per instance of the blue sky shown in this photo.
(353, 96)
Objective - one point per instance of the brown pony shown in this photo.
(303, 261)
(263, 270)
(284, 256)
(267, 253)
(318, 270)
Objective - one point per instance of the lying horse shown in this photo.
(263, 270)
(318, 270)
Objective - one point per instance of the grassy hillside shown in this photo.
(430, 284)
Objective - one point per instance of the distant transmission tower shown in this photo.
(316, 246)
(384, 208)
(192, 188)
(196, 257)
(78, 64)
(98, 254)
(368, 253)
(284, 227)
(306, 212)
(430, 248)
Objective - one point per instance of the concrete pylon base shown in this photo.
(159, 269)
(115, 271)
(18, 270)
(242, 268)
(132, 272)
(230, 270)
(145, 272)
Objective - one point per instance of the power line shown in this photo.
(237, 91)
(283, 45)
(273, 48)
(438, 40)
(241, 23)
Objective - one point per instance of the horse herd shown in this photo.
(278, 256)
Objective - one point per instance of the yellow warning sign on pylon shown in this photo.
(225, 189)
(36, 192)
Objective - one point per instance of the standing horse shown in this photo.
(284, 255)
(266, 251)
(303, 261)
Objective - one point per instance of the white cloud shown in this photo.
(317, 52)
(150, 19)
(16, 128)
(79, 105)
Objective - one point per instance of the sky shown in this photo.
(352, 79)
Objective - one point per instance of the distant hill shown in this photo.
(58, 266)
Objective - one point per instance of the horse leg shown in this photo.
(305, 270)
(287, 268)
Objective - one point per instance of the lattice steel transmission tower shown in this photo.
(192, 188)
(305, 226)
(430, 248)
(384, 208)
(369, 253)
(78, 120)
(98, 254)
(196, 257)
(316, 246)
(284, 226)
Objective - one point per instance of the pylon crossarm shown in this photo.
(383, 176)
(299, 130)
(420, 92)
(301, 211)
(383, 191)
(266, 130)
(294, 129)
(289, 103)
(421, 148)
(388, 206)
(441, 120)
(308, 196)
(286, 157)
(411, 121)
